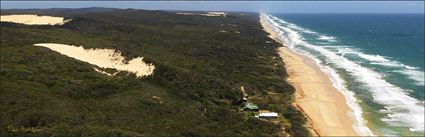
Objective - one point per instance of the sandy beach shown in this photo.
(322, 103)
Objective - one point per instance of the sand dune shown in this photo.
(34, 19)
(322, 103)
(104, 58)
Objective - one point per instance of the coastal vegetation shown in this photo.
(200, 64)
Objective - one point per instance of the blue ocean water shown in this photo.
(375, 60)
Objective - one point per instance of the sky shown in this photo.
(255, 6)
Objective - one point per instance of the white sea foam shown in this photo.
(337, 47)
(408, 67)
(293, 38)
(387, 64)
(416, 75)
(327, 38)
(410, 72)
(406, 109)
(373, 59)
(290, 25)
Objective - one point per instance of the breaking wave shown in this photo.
(399, 107)
(327, 38)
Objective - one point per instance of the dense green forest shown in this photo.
(194, 90)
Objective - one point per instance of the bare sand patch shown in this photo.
(34, 19)
(319, 100)
(104, 58)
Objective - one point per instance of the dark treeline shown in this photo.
(201, 63)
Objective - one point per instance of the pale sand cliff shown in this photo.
(104, 58)
(34, 19)
(322, 103)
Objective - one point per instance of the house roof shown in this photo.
(268, 114)
(250, 105)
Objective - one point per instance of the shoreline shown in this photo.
(324, 106)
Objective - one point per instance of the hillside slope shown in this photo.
(201, 63)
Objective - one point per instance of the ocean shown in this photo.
(375, 60)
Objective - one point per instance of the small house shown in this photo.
(250, 106)
(267, 115)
